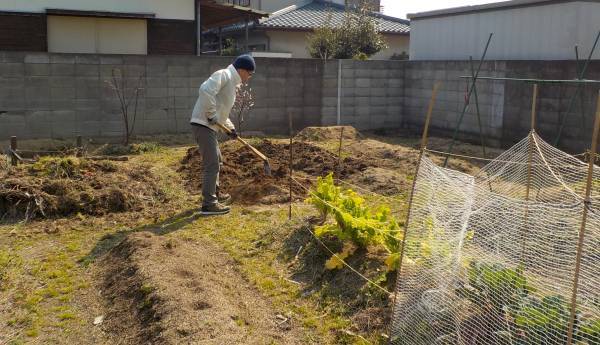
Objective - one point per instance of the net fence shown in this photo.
(488, 260)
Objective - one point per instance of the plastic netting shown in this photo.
(487, 262)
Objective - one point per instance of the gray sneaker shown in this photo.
(225, 199)
(216, 209)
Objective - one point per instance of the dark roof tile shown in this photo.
(316, 13)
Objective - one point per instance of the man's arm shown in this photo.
(208, 91)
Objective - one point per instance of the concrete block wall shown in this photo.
(371, 94)
(420, 77)
(505, 106)
(64, 95)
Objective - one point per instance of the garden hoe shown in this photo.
(266, 164)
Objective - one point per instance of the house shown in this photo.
(523, 30)
(114, 27)
(287, 30)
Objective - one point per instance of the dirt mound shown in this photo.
(381, 181)
(328, 133)
(57, 187)
(243, 176)
(165, 291)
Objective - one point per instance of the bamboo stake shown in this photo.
(529, 163)
(291, 162)
(588, 192)
(424, 141)
(339, 162)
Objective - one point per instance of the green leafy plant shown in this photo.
(504, 297)
(497, 286)
(539, 322)
(357, 36)
(355, 222)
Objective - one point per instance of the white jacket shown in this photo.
(216, 98)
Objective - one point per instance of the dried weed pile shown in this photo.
(61, 186)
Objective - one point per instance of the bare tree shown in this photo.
(126, 95)
(244, 102)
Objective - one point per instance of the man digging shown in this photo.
(215, 101)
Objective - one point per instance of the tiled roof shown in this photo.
(316, 13)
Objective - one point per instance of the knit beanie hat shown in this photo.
(245, 62)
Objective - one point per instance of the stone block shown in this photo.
(179, 92)
(88, 88)
(12, 69)
(363, 82)
(177, 82)
(156, 60)
(59, 69)
(362, 111)
(133, 71)
(348, 92)
(273, 92)
(195, 82)
(10, 93)
(152, 82)
(35, 58)
(276, 102)
(295, 101)
(62, 58)
(39, 82)
(330, 102)
(329, 111)
(379, 83)
(63, 93)
(378, 91)
(83, 70)
(87, 59)
(37, 69)
(348, 82)
(378, 101)
(157, 92)
(10, 56)
(362, 92)
(157, 71)
(330, 83)
(177, 71)
(134, 59)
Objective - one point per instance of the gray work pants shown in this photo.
(208, 146)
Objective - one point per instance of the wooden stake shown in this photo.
(291, 163)
(339, 162)
(13, 147)
(424, 141)
(587, 201)
(529, 163)
(531, 134)
(79, 145)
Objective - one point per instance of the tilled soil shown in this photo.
(161, 290)
(243, 174)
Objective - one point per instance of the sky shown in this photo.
(400, 8)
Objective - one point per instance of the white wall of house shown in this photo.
(96, 35)
(171, 9)
(273, 5)
(296, 42)
(547, 32)
(397, 44)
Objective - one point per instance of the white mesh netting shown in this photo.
(483, 265)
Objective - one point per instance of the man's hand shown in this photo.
(212, 120)
(232, 134)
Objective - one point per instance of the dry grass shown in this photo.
(48, 291)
